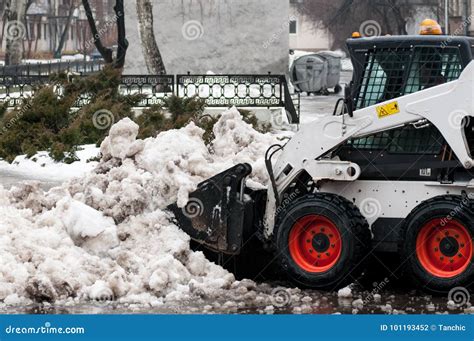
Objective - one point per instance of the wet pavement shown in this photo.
(299, 302)
(380, 290)
(314, 106)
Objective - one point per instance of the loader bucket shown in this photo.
(215, 213)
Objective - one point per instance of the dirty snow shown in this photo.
(107, 236)
(345, 292)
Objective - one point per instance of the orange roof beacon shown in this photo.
(430, 27)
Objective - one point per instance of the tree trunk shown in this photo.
(4, 22)
(151, 52)
(29, 39)
(62, 41)
(104, 51)
(122, 41)
(4, 19)
(38, 25)
(15, 31)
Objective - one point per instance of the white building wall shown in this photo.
(308, 37)
(471, 17)
(224, 36)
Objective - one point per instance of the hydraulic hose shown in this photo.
(268, 163)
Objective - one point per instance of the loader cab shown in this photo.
(392, 66)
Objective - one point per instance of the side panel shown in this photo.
(385, 204)
(391, 199)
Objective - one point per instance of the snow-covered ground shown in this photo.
(44, 169)
(65, 58)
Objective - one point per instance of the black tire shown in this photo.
(354, 235)
(446, 208)
(337, 89)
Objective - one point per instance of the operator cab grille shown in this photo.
(405, 140)
(389, 73)
(393, 72)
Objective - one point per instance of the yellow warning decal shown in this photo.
(388, 109)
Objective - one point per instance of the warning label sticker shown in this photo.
(388, 109)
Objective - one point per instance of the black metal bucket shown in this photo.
(217, 211)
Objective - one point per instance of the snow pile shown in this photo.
(237, 142)
(108, 236)
(87, 227)
(345, 292)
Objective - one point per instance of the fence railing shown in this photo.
(268, 90)
(45, 69)
(155, 88)
(238, 90)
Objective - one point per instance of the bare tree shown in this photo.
(15, 15)
(72, 7)
(4, 19)
(122, 42)
(105, 52)
(151, 52)
(342, 17)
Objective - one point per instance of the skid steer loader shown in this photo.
(391, 170)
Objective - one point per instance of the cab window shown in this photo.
(393, 73)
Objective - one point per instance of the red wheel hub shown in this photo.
(315, 243)
(444, 248)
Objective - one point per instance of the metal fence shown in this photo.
(155, 88)
(238, 90)
(264, 91)
(45, 69)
